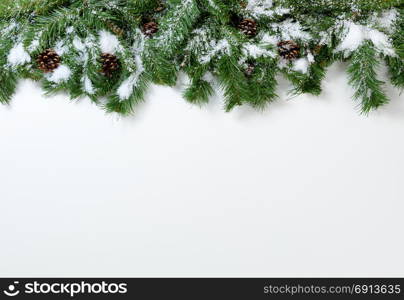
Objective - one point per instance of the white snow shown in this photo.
(291, 30)
(109, 43)
(34, 45)
(282, 63)
(84, 48)
(259, 7)
(208, 77)
(217, 47)
(13, 25)
(78, 44)
(88, 86)
(326, 37)
(301, 65)
(267, 39)
(125, 90)
(60, 47)
(310, 58)
(385, 20)
(357, 34)
(253, 51)
(18, 56)
(264, 8)
(61, 74)
(381, 42)
(354, 37)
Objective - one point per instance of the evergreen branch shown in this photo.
(115, 48)
(174, 29)
(8, 83)
(233, 83)
(363, 77)
(396, 70)
(199, 91)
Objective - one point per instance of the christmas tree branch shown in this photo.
(112, 50)
(363, 77)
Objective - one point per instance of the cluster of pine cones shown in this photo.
(287, 49)
(49, 60)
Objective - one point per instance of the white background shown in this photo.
(307, 188)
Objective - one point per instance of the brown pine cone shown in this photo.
(317, 49)
(249, 71)
(48, 61)
(150, 28)
(249, 27)
(160, 7)
(289, 50)
(116, 29)
(110, 64)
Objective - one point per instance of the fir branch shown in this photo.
(396, 70)
(396, 64)
(199, 91)
(241, 44)
(8, 83)
(363, 77)
(233, 82)
(217, 8)
(174, 29)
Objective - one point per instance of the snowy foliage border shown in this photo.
(201, 39)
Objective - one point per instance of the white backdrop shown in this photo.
(307, 188)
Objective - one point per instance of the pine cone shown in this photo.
(110, 64)
(150, 28)
(48, 61)
(317, 49)
(289, 50)
(249, 69)
(249, 27)
(116, 29)
(160, 7)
